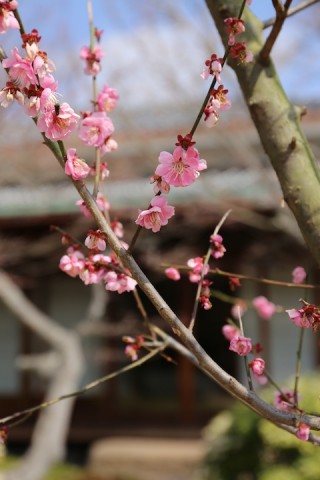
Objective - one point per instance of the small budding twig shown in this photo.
(205, 263)
(245, 358)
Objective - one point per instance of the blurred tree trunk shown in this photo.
(278, 124)
(64, 367)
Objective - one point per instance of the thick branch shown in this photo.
(278, 124)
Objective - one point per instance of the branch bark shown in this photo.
(278, 124)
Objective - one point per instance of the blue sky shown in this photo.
(156, 50)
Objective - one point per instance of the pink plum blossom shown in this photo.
(257, 366)
(160, 185)
(196, 264)
(101, 202)
(303, 432)
(218, 250)
(204, 302)
(95, 129)
(238, 309)
(58, 121)
(284, 400)
(119, 282)
(240, 51)
(95, 239)
(298, 317)
(172, 273)
(157, 215)
(234, 26)
(117, 227)
(73, 262)
(230, 331)
(10, 93)
(219, 99)
(181, 168)
(264, 307)
(109, 145)
(75, 166)
(241, 345)
(213, 66)
(107, 99)
(261, 379)
(211, 116)
(42, 65)
(104, 172)
(7, 19)
(298, 275)
(92, 59)
(20, 70)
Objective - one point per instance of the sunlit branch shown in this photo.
(281, 15)
(292, 11)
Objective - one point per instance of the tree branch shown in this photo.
(292, 11)
(281, 15)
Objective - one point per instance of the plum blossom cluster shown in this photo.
(306, 317)
(133, 346)
(218, 100)
(33, 86)
(198, 269)
(178, 169)
(96, 127)
(96, 266)
(243, 346)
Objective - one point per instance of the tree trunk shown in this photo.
(278, 124)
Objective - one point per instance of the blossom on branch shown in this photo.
(181, 168)
(196, 264)
(95, 239)
(119, 282)
(217, 248)
(264, 307)
(95, 128)
(230, 331)
(234, 26)
(298, 275)
(172, 273)
(58, 121)
(75, 166)
(241, 345)
(92, 59)
(257, 366)
(157, 215)
(303, 432)
(107, 99)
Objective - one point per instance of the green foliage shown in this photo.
(242, 446)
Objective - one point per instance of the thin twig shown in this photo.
(205, 263)
(292, 11)
(86, 388)
(281, 14)
(240, 276)
(298, 366)
(245, 358)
